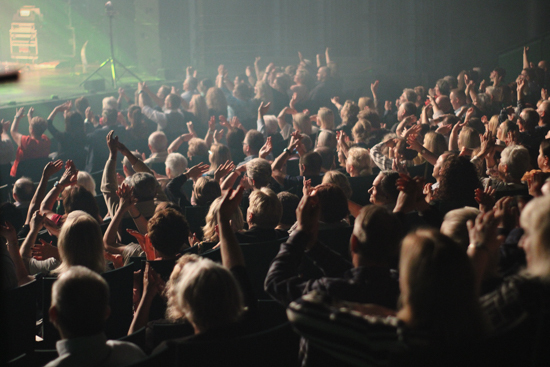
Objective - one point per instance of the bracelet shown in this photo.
(136, 217)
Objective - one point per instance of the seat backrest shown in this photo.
(19, 319)
(50, 335)
(121, 284)
(196, 217)
(360, 188)
(101, 204)
(337, 239)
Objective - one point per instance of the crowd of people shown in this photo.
(425, 220)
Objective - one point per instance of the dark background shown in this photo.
(402, 42)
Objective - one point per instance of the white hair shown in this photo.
(176, 163)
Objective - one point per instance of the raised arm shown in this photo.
(36, 224)
(68, 179)
(231, 252)
(279, 162)
(127, 200)
(8, 232)
(49, 170)
(175, 145)
(525, 58)
(14, 131)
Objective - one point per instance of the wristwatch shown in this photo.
(56, 184)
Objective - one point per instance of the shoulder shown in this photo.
(130, 350)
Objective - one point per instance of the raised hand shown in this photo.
(262, 110)
(112, 142)
(257, 60)
(69, 177)
(223, 170)
(45, 250)
(506, 212)
(218, 135)
(293, 100)
(235, 123)
(126, 196)
(374, 87)
(144, 243)
(52, 168)
(19, 113)
(191, 128)
(37, 221)
(8, 232)
(307, 215)
(266, 148)
(212, 123)
(152, 282)
(485, 198)
(306, 188)
(224, 122)
(30, 114)
(335, 100)
(387, 105)
(248, 71)
(230, 203)
(483, 232)
(197, 171)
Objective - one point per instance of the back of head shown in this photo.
(259, 171)
(168, 231)
(206, 191)
(81, 301)
(81, 243)
(255, 140)
(209, 230)
(128, 169)
(327, 138)
(81, 104)
(350, 110)
(110, 116)
(409, 109)
(378, 233)
(437, 283)
(215, 100)
(327, 156)
(326, 116)
(359, 159)
(516, 158)
(219, 154)
(74, 122)
(371, 116)
(444, 87)
(158, 142)
(24, 189)
(435, 143)
(530, 118)
(144, 185)
(289, 203)
(109, 103)
(79, 198)
(339, 179)
(264, 209)
(39, 125)
(86, 180)
(197, 147)
(459, 179)
(365, 102)
(468, 138)
(302, 123)
(176, 163)
(333, 203)
(208, 295)
(388, 185)
(535, 220)
(454, 225)
(410, 95)
(174, 101)
(312, 163)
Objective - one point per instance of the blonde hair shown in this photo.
(219, 154)
(265, 207)
(173, 313)
(493, 124)
(209, 230)
(215, 99)
(454, 225)
(361, 130)
(337, 178)
(86, 180)
(263, 92)
(359, 158)
(435, 143)
(302, 123)
(535, 220)
(468, 138)
(81, 243)
(198, 107)
(366, 102)
(197, 147)
(326, 117)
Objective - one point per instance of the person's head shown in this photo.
(263, 92)
(535, 221)
(301, 123)
(301, 76)
(253, 142)
(358, 162)
(74, 122)
(172, 101)
(514, 162)
(242, 91)
(371, 116)
(376, 236)
(543, 159)
(282, 83)
(408, 95)
(271, 124)
(458, 179)
(543, 110)
(219, 154)
(461, 84)
(176, 164)
(505, 128)
(158, 142)
(323, 74)
(168, 231)
(208, 295)
(384, 191)
(454, 225)
(109, 103)
(406, 109)
(349, 112)
(528, 120)
(110, 116)
(81, 104)
(127, 166)
(492, 125)
(289, 203)
(264, 209)
(86, 180)
(80, 303)
(444, 103)
(235, 139)
(81, 243)
(190, 84)
(442, 87)
(361, 130)
(197, 106)
(206, 191)
(135, 117)
(209, 230)
(468, 138)
(435, 143)
(76, 197)
(197, 148)
(10, 213)
(37, 127)
(439, 164)
(325, 118)
(327, 138)
(497, 73)
(337, 178)
(258, 172)
(163, 91)
(433, 264)
(333, 203)
(23, 190)
(365, 103)
(205, 85)
(310, 164)
(215, 100)
(144, 185)
(457, 98)
(327, 157)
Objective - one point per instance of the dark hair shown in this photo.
(409, 108)
(235, 139)
(78, 198)
(289, 202)
(175, 100)
(206, 191)
(532, 118)
(255, 140)
(74, 123)
(371, 116)
(312, 162)
(110, 115)
(444, 87)
(9, 213)
(24, 189)
(545, 147)
(327, 156)
(458, 180)
(81, 104)
(500, 71)
(388, 184)
(333, 203)
(138, 127)
(144, 185)
(168, 231)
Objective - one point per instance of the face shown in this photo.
(438, 165)
(530, 245)
(322, 74)
(525, 75)
(437, 90)
(160, 94)
(376, 195)
(542, 160)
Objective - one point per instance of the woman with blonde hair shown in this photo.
(199, 109)
(358, 162)
(216, 102)
(210, 230)
(337, 178)
(219, 154)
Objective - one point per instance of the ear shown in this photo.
(168, 172)
(53, 315)
(249, 217)
(149, 145)
(353, 244)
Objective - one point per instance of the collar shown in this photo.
(96, 343)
